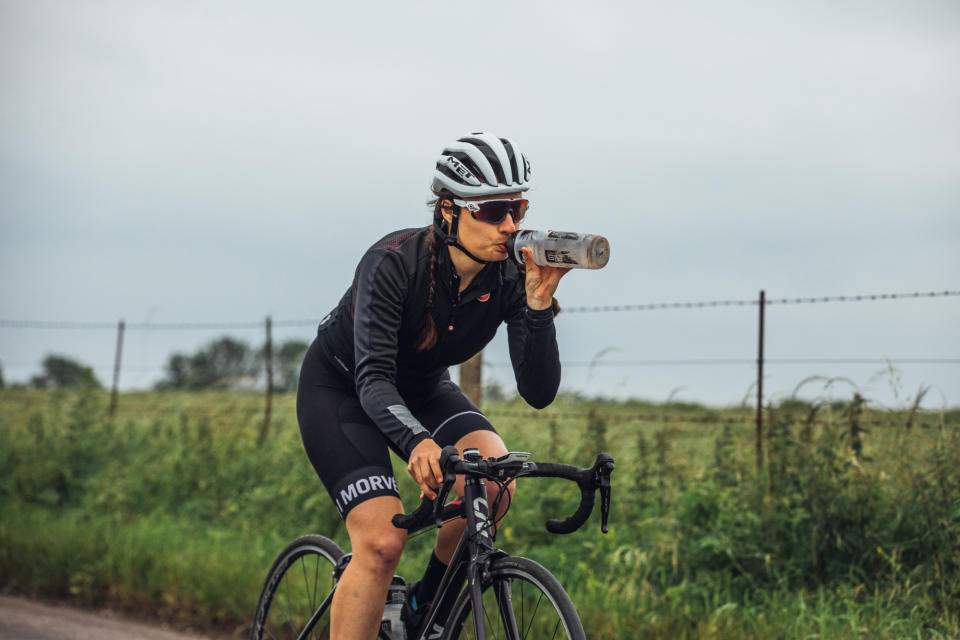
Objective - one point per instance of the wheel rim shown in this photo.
(302, 583)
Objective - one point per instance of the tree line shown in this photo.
(223, 363)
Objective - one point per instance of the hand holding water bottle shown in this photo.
(549, 255)
(560, 249)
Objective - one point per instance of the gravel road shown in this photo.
(22, 619)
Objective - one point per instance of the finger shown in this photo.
(555, 277)
(556, 273)
(426, 474)
(427, 491)
(414, 470)
(437, 471)
(528, 260)
(418, 473)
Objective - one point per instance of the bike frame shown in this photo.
(473, 554)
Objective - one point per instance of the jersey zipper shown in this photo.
(455, 288)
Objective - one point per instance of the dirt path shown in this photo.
(22, 619)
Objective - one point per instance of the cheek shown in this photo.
(471, 232)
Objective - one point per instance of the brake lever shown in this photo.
(448, 457)
(604, 502)
(441, 499)
(601, 479)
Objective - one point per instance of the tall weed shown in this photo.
(851, 529)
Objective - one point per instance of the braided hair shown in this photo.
(428, 335)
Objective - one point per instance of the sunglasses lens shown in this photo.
(496, 211)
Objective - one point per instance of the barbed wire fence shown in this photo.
(256, 324)
(121, 327)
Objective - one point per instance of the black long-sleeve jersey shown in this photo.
(370, 334)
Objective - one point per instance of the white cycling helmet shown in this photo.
(481, 164)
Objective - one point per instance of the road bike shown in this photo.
(484, 594)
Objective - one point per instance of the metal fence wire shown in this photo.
(614, 418)
(238, 325)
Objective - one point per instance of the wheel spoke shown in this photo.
(293, 631)
(489, 626)
(306, 583)
(316, 578)
(523, 602)
(556, 628)
(534, 614)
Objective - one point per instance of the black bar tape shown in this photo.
(574, 522)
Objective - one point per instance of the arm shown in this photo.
(378, 308)
(532, 336)
(534, 354)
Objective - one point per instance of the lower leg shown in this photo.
(447, 539)
(357, 605)
(358, 602)
(425, 588)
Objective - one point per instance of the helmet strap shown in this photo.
(450, 237)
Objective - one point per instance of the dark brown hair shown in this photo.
(428, 335)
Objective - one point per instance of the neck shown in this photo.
(466, 266)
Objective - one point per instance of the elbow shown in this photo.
(540, 403)
(539, 396)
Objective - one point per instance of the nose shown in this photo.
(508, 225)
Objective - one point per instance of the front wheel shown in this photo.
(296, 597)
(521, 601)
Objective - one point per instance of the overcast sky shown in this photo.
(222, 161)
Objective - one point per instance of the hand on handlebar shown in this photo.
(424, 468)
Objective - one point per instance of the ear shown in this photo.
(446, 210)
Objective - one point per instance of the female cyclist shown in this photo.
(376, 376)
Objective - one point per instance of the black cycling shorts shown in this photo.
(347, 450)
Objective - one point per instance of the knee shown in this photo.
(380, 552)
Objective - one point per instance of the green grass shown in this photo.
(851, 530)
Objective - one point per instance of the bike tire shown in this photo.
(536, 602)
(300, 579)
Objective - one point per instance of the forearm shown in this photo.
(536, 358)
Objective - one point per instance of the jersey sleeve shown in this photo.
(381, 287)
(534, 354)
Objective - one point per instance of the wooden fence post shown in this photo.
(116, 369)
(763, 304)
(471, 379)
(268, 355)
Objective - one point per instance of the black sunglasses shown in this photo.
(495, 211)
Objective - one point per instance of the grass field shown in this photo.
(851, 529)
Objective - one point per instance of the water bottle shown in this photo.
(560, 248)
(391, 624)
